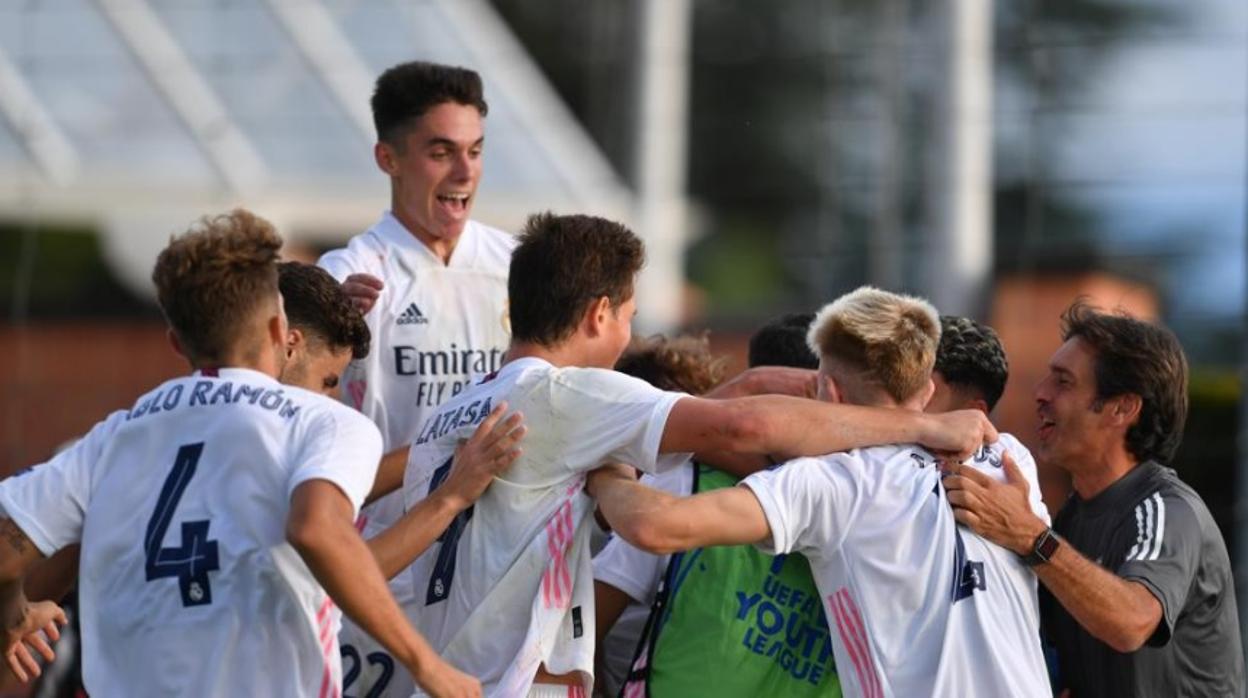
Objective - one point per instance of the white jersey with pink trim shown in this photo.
(436, 329)
(917, 604)
(509, 586)
(187, 584)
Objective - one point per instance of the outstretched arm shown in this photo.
(788, 426)
(492, 447)
(658, 522)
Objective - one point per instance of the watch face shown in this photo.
(1047, 545)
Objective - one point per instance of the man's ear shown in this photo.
(294, 341)
(277, 330)
(386, 158)
(833, 390)
(596, 316)
(928, 391)
(1125, 409)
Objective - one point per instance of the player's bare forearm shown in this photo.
(17, 554)
(320, 528)
(767, 380)
(26, 625)
(1121, 613)
(52, 579)
(398, 546)
(389, 474)
(788, 426)
(657, 522)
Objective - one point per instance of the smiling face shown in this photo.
(1074, 428)
(434, 176)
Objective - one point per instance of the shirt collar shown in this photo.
(393, 231)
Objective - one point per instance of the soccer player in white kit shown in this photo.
(216, 515)
(507, 594)
(433, 285)
(917, 604)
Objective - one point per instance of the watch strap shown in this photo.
(1042, 550)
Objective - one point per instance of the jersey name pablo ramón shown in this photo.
(207, 393)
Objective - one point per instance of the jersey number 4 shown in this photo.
(191, 561)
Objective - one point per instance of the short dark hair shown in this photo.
(782, 342)
(406, 91)
(560, 266)
(210, 279)
(316, 304)
(970, 356)
(682, 364)
(1136, 357)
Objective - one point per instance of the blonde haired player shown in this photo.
(216, 515)
(916, 605)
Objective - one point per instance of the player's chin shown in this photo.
(451, 227)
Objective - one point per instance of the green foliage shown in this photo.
(57, 271)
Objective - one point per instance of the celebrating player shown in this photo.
(507, 594)
(433, 285)
(917, 605)
(216, 515)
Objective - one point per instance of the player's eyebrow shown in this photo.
(442, 141)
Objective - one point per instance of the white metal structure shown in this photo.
(138, 116)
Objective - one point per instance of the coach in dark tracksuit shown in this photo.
(1140, 600)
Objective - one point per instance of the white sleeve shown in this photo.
(809, 503)
(342, 447)
(616, 417)
(49, 502)
(632, 570)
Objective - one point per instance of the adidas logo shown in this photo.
(413, 316)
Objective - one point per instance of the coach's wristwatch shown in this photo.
(1042, 550)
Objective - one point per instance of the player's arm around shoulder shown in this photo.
(792, 426)
(658, 522)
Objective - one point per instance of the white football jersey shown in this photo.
(509, 585)
(917, 604)
(436, 328)
(187, 586)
